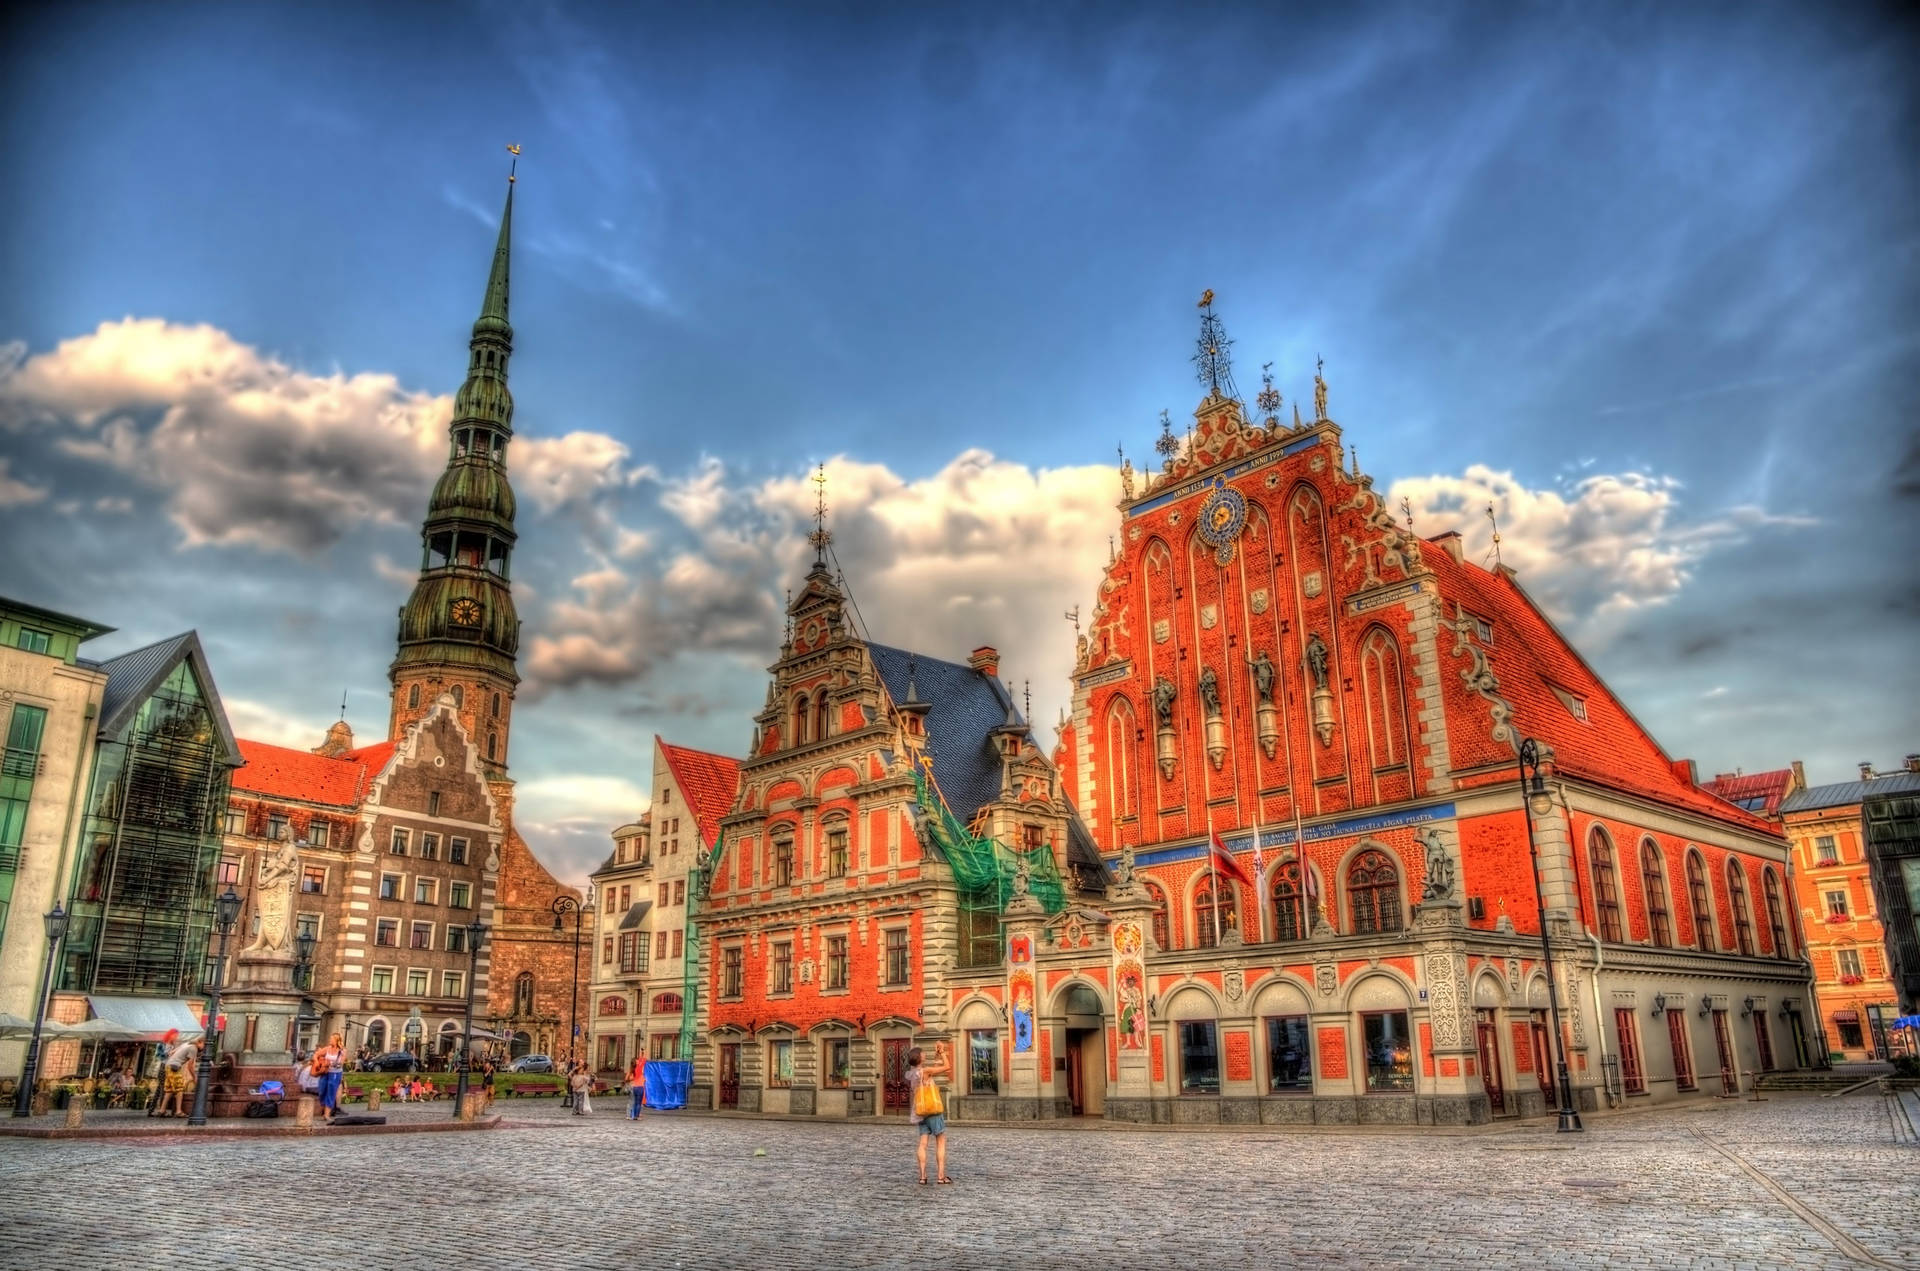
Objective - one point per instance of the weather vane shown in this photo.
(1167, 444)
(1406, 510)
(1269, 399)
(1211, 361)
(513, 167)
(1495, 522)
(1073, 615)
(821, 536)
(343, 703)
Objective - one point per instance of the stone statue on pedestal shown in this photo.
(274, 881)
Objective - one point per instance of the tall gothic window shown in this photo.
(1776, 917)
(493, 744)
(413, 697)
(523, 994)
(1289, 904)
(1385, 700)
(799, 721)
(459, 696)
(1653, 876)
(1606, 887)
(1214, 911)
(1162, 935)
(1121, 745)
(1742, 914)
(1700, 900)
(1373, 894)
(820, 716)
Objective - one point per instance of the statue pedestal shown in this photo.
(260, 1007)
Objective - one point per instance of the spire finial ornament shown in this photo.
(1269, 399)
(821, 536)
(1406, 510)
(1319, 390)
(1353, 455)
(1495, 522)
(1211, 360)
(1296, 416)
(1167, 444)
(514, 166)
(343, 703)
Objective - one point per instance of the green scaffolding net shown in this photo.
(986, 869)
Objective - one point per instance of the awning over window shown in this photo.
(1846, 1017)
(151, 1018)
(635, 914)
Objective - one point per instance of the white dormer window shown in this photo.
(1482, 630)
(1575, 704)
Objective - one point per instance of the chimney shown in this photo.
(1687, 771)
(1912, 764)
(1866, 771)
(1720, 777)
(1799, 775)
(1451, 542)
(986, 660)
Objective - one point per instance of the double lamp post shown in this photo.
(563, 905)
(1537, 800)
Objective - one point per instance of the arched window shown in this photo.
(1653, 876)
(1289, 904)
(459, 696)
(666, 1004)
(820, 716)
(1162, 936)
(799, 721)
(1606, 887)
(1385, 699)
(1700, 900)
(1214, 912)
(1373, 894)
(493, 744)
(413, 697)
(1119, 772)
(377, 1036)
(523, 994)
(1742, 915)
(496, 706)
(1776, 916)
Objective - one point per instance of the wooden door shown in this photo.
(1633, 1078)
(893, 1072)
(730, 1074)
(1489, 1033)
(1723, 1041)
(1682, 1055)
(1763, 1040)
(1798, 1030)
(1543, 1058)
(1076, 1078)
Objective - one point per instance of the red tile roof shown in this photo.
(1531, 658)
(279, 772)
(709, 783)
(1741, 788)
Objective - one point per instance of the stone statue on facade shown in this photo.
(1317, 660)
(1164, 694)
(274, 881)
(1210, 690)
(1123, 868)
(1439, 867)
(1263, 675)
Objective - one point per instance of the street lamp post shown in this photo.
(476, 932)
(303, 945)
(56, 932)
(226, 912)
(563, 905)
(1533, 792)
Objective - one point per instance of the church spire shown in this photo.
(494, 307)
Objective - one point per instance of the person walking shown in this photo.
(581, 1082)
(637, 1081)
(486, 1083)
(177, 1077)
(929, 1108)
(329, 1063)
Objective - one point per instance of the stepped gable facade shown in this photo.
(1272, 650)
(403, 843)
(831, 931)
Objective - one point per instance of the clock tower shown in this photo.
(458, 630)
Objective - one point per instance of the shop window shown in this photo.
(1373, 894)
(1848, 1025)
(780, 1064)
(1289, 1053)
(1199, 1057)
(836, 1062)
(1389, 1047)
(983, 1061)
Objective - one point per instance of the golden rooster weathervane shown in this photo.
(513, 167)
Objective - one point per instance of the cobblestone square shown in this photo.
(1801, 1182)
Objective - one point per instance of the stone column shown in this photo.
(1130, 1093)
(1022, 1093)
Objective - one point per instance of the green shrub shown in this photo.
(1906, 1066)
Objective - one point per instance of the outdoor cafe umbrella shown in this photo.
(13, 1028)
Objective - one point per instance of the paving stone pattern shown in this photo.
(1648, 1189)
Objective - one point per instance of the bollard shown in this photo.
(76, 1113)
(470, 1107)
(303, 1112)
(373, 1099)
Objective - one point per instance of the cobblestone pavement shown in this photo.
(1800, 1182)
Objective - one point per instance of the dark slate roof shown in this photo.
(635, 914)
(965, 708)
(1844, 793)
(134, 676)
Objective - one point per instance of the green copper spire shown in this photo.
(459, 625)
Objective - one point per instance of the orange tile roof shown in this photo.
(1530, 658)
(709, 783)
(1742, 787)
(279, 772)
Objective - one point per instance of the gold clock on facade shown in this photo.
(466, 612)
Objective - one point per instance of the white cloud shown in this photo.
(256, 721)
(1593, 554)
(15, 493)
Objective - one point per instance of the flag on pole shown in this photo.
(1223, 861)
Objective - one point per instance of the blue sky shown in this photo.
(1642, 274)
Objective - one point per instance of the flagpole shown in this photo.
(1213, 872)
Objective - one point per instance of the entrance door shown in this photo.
(1542, 1057)
(1797, 1030)
(1489, 1033)
(1723, 1041)
(729, 1074)
(1763, 1040)
(893, 1070)
(1633, 1079)
(1076, 1075)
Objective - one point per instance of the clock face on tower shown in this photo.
(466, 612)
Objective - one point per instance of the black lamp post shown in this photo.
(56, 932)
(1534, 796)
(226, 912)
(476, 932)
(563, 905)
(303, 979)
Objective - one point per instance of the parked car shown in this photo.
(394, 1061)
(532, 1063)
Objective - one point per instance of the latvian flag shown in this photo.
(1224, 863)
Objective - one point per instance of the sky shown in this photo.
(1643, 277)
